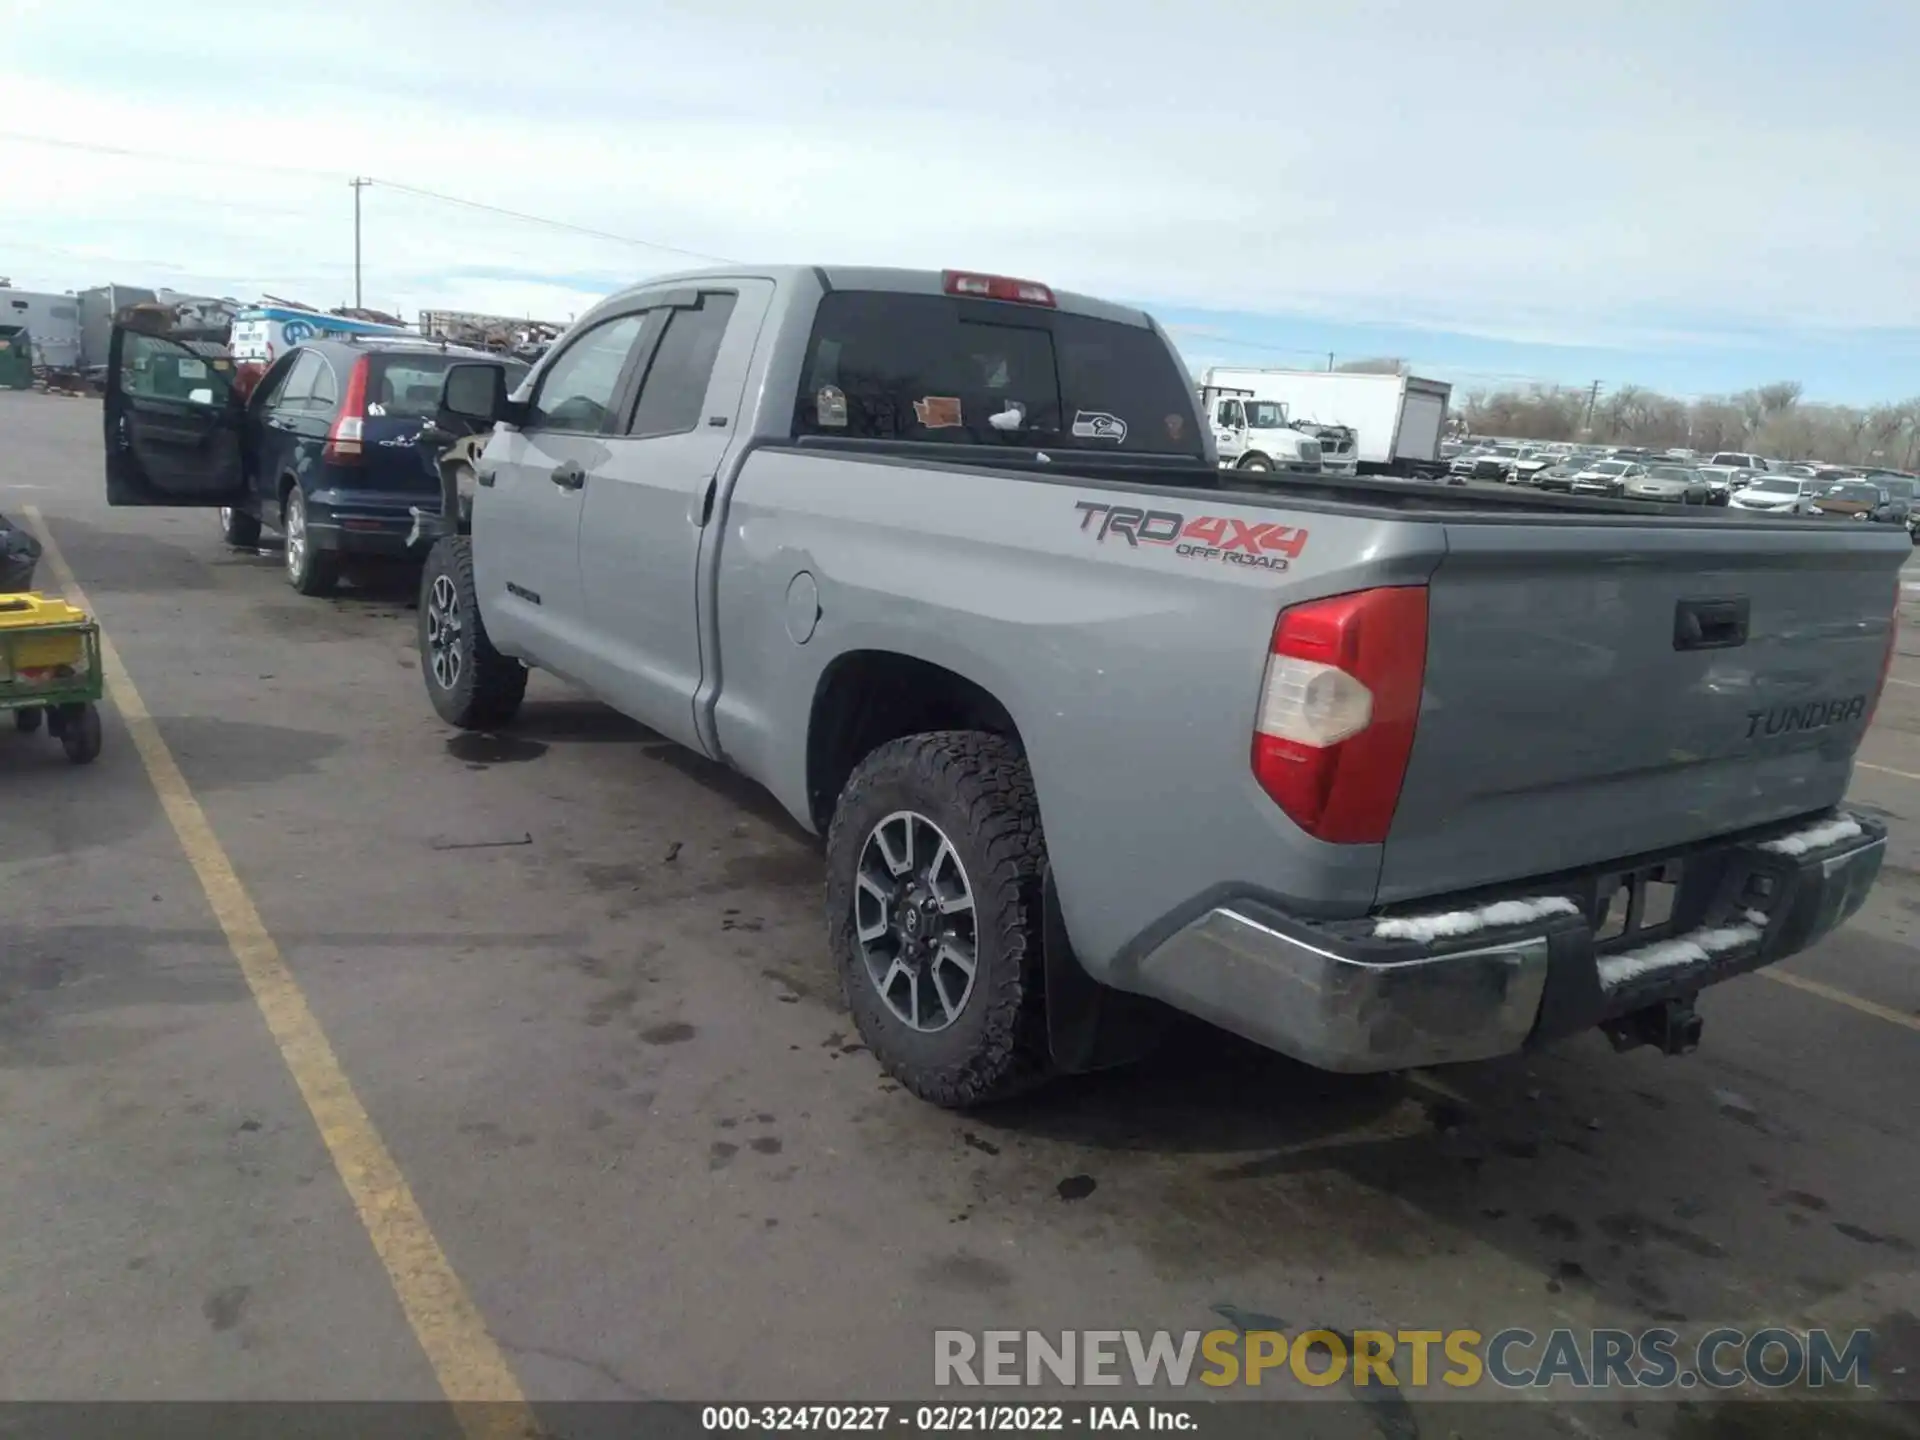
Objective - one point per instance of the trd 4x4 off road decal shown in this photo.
(1266, 545)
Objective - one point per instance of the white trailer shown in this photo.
(1398, 420)
(52, 322)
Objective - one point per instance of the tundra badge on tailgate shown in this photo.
(1263, 544)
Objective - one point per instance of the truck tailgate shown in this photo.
(1589, 697)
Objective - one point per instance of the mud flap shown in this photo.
(1090, 1026)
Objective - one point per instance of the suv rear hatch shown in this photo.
(402, 395)
(1615, 689)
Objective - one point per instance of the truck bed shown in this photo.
(1338, 494)
(1568, 714)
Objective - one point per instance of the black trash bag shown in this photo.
(19, 553)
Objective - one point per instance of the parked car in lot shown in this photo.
(1605, 477)
(326, 448)
(1559, 477)
(1777, 495)
(1530, 464)
(1728, 464)
(936, 557)
(1671, 484)
(1492, 462)
(1861, 500)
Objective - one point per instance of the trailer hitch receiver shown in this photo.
(1673, 1027)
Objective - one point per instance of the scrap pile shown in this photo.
(524, 339)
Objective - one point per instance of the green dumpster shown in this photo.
(16, 358)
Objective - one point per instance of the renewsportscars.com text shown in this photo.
(1510, 1359)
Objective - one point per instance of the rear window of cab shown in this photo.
(947, 370)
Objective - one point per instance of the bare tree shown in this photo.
(1769, 420)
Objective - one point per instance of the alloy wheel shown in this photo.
(913, 919)
(296, 526)
(444, 629)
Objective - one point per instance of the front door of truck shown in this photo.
(1229, 430)
(533, 481)
(172, 423)
(647, 510)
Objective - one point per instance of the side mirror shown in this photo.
(474, 392)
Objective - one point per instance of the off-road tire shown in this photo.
(239, 529)
(27, 721)
(487, 691)
(976, 787)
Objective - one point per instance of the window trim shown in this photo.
(641, 344)
(660, 316)
(302, 402)
(327, 373)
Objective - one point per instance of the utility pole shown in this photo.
(1593, 398)
(1329, 360)
(358, 184)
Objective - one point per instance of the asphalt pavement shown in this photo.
(351, 1054)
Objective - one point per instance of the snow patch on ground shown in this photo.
(1455, 923)
(1693, 948)
(1828, 832)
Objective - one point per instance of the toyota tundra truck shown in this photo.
(1375, 776)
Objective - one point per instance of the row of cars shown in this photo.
(1737, 479)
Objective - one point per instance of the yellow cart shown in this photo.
(50, 672)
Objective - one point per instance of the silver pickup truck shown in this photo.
(1378, 777)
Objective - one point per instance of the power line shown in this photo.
(543, 220)
(125, 152)
(358, 182)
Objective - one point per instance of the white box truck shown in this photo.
(1397, 420)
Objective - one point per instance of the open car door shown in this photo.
(174, 421)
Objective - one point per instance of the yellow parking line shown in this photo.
(1841, 997)
(470, 1366)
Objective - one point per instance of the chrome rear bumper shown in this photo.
(1343, 998)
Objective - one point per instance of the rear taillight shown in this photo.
(1338, 708)
(345, 439)
(996, 287)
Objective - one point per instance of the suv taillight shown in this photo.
(345, 438)
(1338, 708)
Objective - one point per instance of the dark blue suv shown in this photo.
(326, 448)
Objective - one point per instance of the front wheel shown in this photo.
(470, 683)
(239, 529)
(80, 734)
(1258, 462)
(934, 865)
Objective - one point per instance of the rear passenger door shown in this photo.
(293, 427)
(646, 508)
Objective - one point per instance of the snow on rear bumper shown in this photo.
(1493, 975)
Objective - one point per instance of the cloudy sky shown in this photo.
(1693, 194)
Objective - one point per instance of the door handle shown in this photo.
(569, 475)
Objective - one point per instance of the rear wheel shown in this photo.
(28, 720)
(239, 529)
(310, 571)
(470, 683)
(934, 915)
